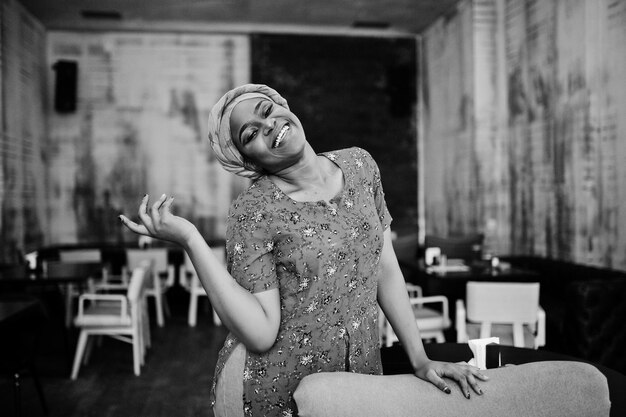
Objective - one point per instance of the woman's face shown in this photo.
(267, 134)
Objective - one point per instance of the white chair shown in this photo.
(508, 310)
(122, 317)
(190, 281)
(430, 321)
(72, 261)
(156, 287)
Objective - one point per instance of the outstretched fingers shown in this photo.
(464, 375)
(438, 381)
(137, 228)
(144, 216)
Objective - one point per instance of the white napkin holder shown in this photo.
(479, 349)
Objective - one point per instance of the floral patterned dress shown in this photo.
(324, 259)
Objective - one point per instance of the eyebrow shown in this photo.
(246, 124)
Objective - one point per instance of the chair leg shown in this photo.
(89, 348)
(166, 305)
(518, 335)
(146, 327)
(193, 309)
(159, 309)
(136, 351)
(39, 388)
(69, 307)
(80, 350)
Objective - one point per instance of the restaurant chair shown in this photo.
(432, 322)
(122, 317)
(86, 273)
(157, 286)
(508, 310)
(189, 280)
(89, 256)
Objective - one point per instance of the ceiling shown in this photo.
(410, 16)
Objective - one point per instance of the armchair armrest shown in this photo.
(540, 339)
(461, 331)
(432, 299)
(182, 276)
(171, 276)
(123, 302)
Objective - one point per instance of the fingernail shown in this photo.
(467, 395)
(447, 390)
(480, 392)
(121, 218)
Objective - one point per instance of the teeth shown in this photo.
(280, 136)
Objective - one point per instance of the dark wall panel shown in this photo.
(352, 91)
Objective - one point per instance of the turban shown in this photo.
(220, 136)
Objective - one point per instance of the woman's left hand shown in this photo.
(465, 375)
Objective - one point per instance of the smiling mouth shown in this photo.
(280, 136)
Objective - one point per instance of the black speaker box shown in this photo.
(65, 87)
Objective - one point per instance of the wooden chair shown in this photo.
(122, 317)
(508, 310)
(157, 287)
(432, 322)
(190, 281)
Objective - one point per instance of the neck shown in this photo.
(308, 172)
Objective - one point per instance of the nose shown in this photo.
(268, 125)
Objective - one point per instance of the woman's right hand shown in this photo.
(159, 222)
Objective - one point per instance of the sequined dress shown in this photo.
(324, 259)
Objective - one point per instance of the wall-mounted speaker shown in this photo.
(65, 87)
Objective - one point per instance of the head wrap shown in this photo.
(219, 127)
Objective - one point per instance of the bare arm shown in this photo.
(394, 301)
(253, 318)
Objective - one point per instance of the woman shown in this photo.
(309, 255)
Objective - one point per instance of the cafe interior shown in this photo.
(495, 125)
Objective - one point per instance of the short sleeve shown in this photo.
(250, 246)
(379, 194)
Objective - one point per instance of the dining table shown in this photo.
(54, 286)
(452, 282)
(56, 273)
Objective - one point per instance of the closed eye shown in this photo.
(247, 138)
(268, 110)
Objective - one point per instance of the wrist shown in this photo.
(417, 358)
(193, 237)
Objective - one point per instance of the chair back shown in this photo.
(414, 291)
(158, 257)
(502, 302)
(137, 286)
(80, 255)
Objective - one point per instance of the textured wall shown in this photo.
(525, 136)
(22, 129)
(139, 127)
